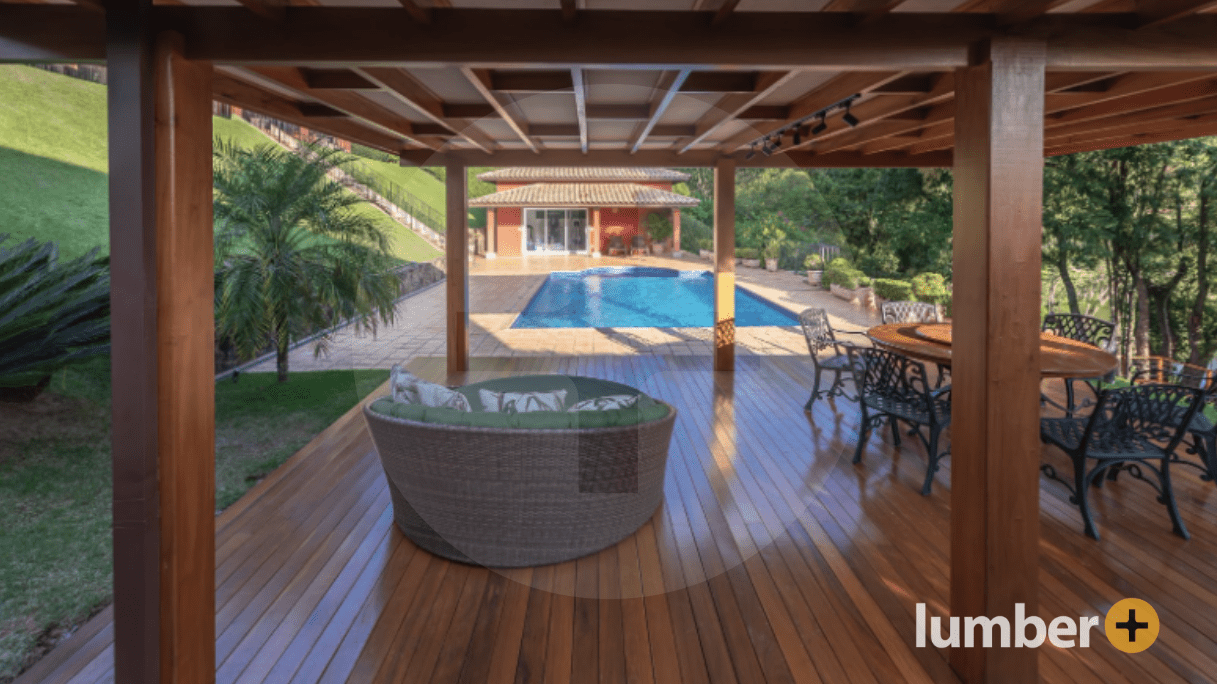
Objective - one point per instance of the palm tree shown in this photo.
(292, 255)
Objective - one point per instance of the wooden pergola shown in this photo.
(987, 87)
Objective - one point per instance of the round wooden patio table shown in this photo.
(1060, 357)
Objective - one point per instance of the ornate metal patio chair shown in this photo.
(820, 337)
(1093, 331)
(915, 312)
(894, 388)
(1129, 429)
(1201, 431)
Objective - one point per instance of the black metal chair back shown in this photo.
(820, 338)
(1131, 428)
(1093, 331)
(910, 312)
(895, 388)
(1202, 429)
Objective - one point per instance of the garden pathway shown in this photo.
(501, 288)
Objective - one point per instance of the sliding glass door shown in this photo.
(555, 230)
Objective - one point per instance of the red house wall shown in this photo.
(623, 221)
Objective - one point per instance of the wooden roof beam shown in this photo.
(669, 84)
(569, 11)
(407, 89)
(349, 102)
(1104, 140)
(273, 10)
(869, 10)
(732, 105)
(480, 80)
(418, 13)
(720, 82)
(240, 93)
(467, 110)
(531, 81)
(576, 77)
(1160, 12)
(619, 112)
(337, 79)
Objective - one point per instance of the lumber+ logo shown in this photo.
(1131, 626)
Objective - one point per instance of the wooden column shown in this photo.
(162, 355)
(492, 237)
(676, 232)
(724, 265)
(995, 451)
(457, 249)
(595, 232)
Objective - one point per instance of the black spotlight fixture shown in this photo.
(820, 127)
(777, 140)
(849, 118)
(751, 152)
(798, 137)
(766, 148)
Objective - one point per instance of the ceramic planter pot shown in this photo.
(752, 263)
(771, 265)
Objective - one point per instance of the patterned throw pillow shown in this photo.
(522, 402)
(408, 388)
(608, 403)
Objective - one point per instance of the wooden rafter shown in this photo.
(619, 112)
(1165, 11)
(569, 10)
(418, 13)
(870, 10)
(1011, 12)
(725, 8)
(241, 93)
(407, 89)
(1106, 140)
(732, 105)
(274, 10)
(346, 101)
(576, 77)
(480, 80)
(669, 84)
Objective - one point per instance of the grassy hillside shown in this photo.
(53, 166)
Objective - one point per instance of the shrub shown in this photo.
(894, 290)
(931, 287)
(658, 226)
(813, 262)
(747, 253)
(841, 273)
(51, 312)
(705, 243)
(772, 250)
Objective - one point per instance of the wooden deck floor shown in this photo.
(773, 559)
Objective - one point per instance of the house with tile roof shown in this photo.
(577, 210)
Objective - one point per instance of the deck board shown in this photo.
(772, 559)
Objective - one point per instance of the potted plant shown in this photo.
(772, 250)
(772, 236)
(814, 264)
(750, 257)
(659, 227)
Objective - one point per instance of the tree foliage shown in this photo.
(292, 258)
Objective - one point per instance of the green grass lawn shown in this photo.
(53, 165)
(55, 484)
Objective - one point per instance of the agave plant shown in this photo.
(51, 313)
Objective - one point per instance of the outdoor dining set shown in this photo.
(1143, 427)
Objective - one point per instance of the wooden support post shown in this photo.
(995, 448)
(492, 234)
(595, 232)
(676, 232)
(724, 265)
(457, 248)
(162, 354)
(185, 323)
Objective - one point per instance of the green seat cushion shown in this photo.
(578, 389)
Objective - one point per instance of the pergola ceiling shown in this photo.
(673, 112)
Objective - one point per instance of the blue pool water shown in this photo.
(639, 297)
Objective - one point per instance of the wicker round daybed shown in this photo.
(525, 489)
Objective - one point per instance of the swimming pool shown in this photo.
(639, 297)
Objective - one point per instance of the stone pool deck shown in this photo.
(499, 289)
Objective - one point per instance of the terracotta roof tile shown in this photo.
(583, 195)
(582, 173)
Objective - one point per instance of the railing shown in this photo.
(424, 215)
